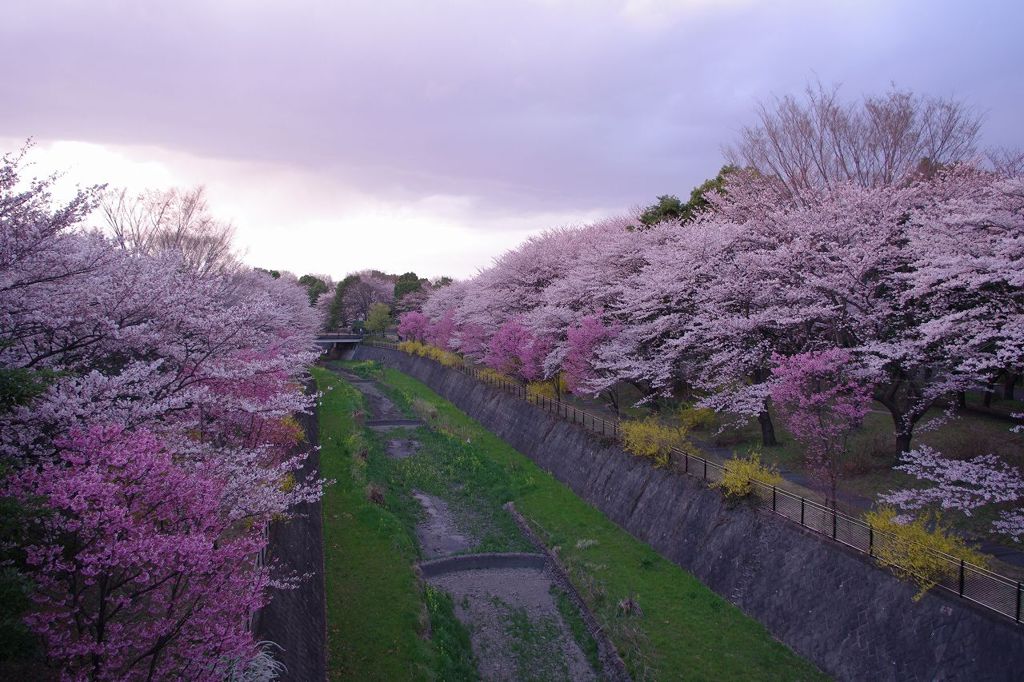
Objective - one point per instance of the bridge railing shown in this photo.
(977, 584)
(340, 336)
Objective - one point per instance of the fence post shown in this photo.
(834, 522)
(686, 463)
(705, 469)
(773, 498)
(871, 540)
(961, 577)
(1020, 588)
(801, 511)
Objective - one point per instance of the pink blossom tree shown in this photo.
(440, 331)
(583, 341)
(413, 326)
(822, 404)
(137, 575)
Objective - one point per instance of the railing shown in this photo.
(969, 581)
(339, 336)
(975, 583)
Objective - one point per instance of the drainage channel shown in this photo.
(506, 600)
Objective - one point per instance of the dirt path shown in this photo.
(438, 534)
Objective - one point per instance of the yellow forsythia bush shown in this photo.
(652, 439)
(741, 471)
(540, 389)
(411, 347)
(446, 358)
(425, 350)
(910, 549)
(493, 376)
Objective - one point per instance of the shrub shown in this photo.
(652, 439)
(540, 389)
(375, 494)
(424, 350)
(446, 358)
(740, 472)
(912, 549)
(425, 410)
(694, 418)
(410, 347)
(493, 376)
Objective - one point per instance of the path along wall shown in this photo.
(852, 619)
(296, 619)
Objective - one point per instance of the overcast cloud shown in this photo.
(432, 135)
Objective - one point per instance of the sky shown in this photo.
(432, 135)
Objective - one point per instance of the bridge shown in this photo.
(334, 344)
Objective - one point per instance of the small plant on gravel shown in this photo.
(585, 543)
(375, 494)
(741, 472)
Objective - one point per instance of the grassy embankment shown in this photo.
(681, 630)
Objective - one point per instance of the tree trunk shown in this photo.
(903, 442)
(1009, 384)
(961, 399)
(988, 394)
(767, 429)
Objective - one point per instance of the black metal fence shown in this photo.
(969, 581)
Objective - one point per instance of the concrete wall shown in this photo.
(296, 620)
(831, 605)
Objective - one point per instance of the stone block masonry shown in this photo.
(830, 605)
(296, 619)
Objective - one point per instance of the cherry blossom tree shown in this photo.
(146, 558)
(961, 485)
(582, 340)
(822, 404)
(413, 326)
(514, 351)
(137, 578)
(964, 485)
(440, 331)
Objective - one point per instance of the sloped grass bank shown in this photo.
(664, 622)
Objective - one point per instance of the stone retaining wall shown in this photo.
(831, 605)
(296, 620)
